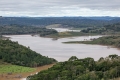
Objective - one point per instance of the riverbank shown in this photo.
(113, 41)
(20, 76)
(62, 52)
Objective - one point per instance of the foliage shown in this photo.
(14, 53)
(68, 34)
(107, 29)
(106, 40)
(82, 69)
(76, 22)
(21, 29)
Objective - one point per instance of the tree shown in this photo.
(73, 58)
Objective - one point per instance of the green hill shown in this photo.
(12, 52)
(82, 69)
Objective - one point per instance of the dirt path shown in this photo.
(19, 76)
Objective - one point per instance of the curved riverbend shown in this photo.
(62, 52)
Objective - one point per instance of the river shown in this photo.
(62, 52)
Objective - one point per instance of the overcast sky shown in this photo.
(37, 8)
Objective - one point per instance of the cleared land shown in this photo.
(19, 76)
(14, 69)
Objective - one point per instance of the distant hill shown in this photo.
(77, 22)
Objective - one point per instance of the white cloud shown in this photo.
(59, 8)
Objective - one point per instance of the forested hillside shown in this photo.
(21, 29)
(107, 29)
(12, 52)
(77, 22)
(82, 69)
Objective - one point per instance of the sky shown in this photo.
(59, 8)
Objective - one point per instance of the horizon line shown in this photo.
(59, 16)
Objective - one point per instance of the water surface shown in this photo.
(62, 52)
(65, 29)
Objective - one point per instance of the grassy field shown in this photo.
(54, 26)
(17, 71)
(14, 69)
(9, 68)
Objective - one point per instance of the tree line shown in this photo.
(113, 41)
(107, 29)
(77, 22)
(82, 69)
(12, 52)
(14, 29)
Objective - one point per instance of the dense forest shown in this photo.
(12, 52)
(76, 22)
(82, 69)
(107, 29)
(21, 29)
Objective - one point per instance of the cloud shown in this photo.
(59, 8)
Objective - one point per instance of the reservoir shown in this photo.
(62, 52)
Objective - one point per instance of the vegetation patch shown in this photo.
(14, 69)
(12, 52)
(69, 34)
(54, 26)
(21, 29)
(112, 29)
(107, 40)
(82, 69)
